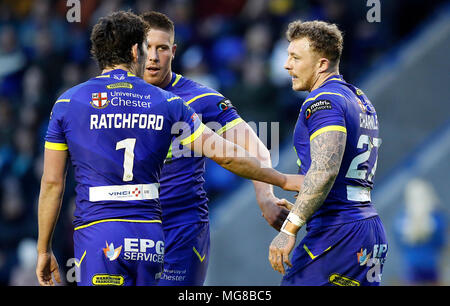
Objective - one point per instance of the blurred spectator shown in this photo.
(420, 234)
(255, 9)
(12, 203)
(6, 124)
(278, 75)
(24, 274)
(182, 16)
(254, 95)
(258, 40)
(12, 60)
(11, 57)
(196, 69)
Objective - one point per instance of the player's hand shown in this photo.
(293, 182)
(279, 251)
(45, 268)
(273, 213)
(285, 203)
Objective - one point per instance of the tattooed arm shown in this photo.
(327, 150)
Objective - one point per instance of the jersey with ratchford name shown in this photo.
(339, 106)
(118, 129)
(183, 197)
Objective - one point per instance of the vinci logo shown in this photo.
(110, 252)
(99, 100)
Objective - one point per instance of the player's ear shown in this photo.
(174, 49)
(324, 64)
(134, 52)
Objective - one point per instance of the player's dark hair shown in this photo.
(114, 36)
(325, 38)
(159, 21)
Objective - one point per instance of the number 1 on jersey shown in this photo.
(128, 160)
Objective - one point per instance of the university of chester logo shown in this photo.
(99, 100)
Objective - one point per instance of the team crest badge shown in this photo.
(361, 105)
(119, 77)
(99, 100)
(365, 106)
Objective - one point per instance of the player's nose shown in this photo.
(152, 55)
(287, 65)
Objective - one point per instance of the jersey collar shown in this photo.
(333, 78)
(118, 74)
(173, 81)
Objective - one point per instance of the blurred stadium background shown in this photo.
(238, 47)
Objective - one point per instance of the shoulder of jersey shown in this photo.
(69, 93)
(192, 90)
(165, 95)
(324, 97)
(333, 93)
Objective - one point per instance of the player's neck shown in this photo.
(167, 79)
(122, 67)
(322, 77)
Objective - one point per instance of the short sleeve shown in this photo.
(326, 113)
(227, 116)
(218, 112)
(55, 138)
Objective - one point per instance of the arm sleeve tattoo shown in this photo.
(326, 150)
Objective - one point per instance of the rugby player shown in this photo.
(336, 140)
(183, 198)
(117, 130)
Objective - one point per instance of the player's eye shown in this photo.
(293, 57)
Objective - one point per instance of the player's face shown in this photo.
(302, 64)
(161, 51)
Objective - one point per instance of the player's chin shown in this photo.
(151, 79)
(297, 86)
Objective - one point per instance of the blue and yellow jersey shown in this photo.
(118, 129)
(339, 106)
(183, 197)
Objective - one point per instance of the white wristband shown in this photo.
(283, 230)
(295, 219)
